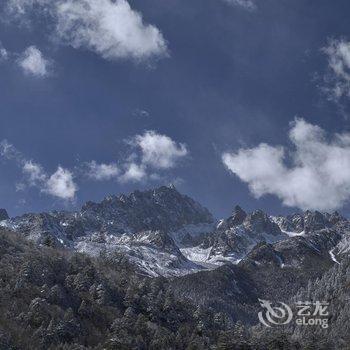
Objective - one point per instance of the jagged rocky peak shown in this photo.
(284, 223)
(260, 222)
(237, 217)
(256, 222)
(3, 214)
(314, 221)
(237, 235)
(297, 223)
(309, 221)
(334, 218)
(163, 208)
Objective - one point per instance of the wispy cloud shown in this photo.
(102, 171)
(112, 29)
(319, 174)
(249, 5)
(34, 172)
(9, 151)
(142, 113)
(337, 77)
(133, 173)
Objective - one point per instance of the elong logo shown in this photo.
(308, 314)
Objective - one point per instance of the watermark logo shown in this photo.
(308, 313)
(274, 315)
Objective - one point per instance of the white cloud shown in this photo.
(112, 29)
(247, 4)
(133, 173)
(319, 174)
(150, 154)
(338, 76)
(31, 61)
(34, 172)
(102, 171)
(34, 63)
(60, 184)
(159, 151)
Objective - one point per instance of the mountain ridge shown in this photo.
(191, 239)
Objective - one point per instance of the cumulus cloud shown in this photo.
(60, 184)
(159, 151)
(112, 29)
(315, 174)
(34, 63)
(150, 153)
(102, 171)
(247, 4)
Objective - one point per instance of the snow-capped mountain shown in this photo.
(142, 226)
(162, 232)
(235, 236)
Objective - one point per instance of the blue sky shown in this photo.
(113, 102)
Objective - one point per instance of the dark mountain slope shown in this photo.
(53, 299)
(333, 288)
(269, 271)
